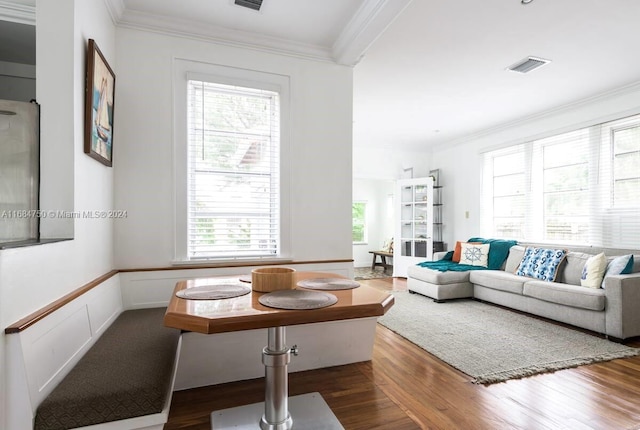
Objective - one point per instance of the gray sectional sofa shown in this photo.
(613, 310)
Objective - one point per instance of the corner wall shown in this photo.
(320, 136)
(32, 277)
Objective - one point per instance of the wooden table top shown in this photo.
(246, 312)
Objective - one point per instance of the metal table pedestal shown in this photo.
(308, 411)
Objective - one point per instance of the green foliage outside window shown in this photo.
(359, 210)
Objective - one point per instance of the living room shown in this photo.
(328, 151)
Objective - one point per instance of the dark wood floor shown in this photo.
(404, 387)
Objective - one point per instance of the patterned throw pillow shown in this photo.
(593, 271)
(622, 265)
(457, 252)
(474, 255)
(541, 263)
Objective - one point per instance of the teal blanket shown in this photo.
(498, 252)
(449, 266)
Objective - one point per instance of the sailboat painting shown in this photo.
(99, 102)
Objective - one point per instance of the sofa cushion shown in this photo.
(570, 271)
(436, 276)
(514, 258)
(565, 294)
(541, 263)
(498, 280)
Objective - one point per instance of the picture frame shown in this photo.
(99, 106)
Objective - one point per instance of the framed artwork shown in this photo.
(99, 98)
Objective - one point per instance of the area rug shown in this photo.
(361, 273)
(492, 344)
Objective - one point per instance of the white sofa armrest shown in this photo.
(439, 255)
(622, 318)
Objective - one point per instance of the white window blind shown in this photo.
(233, 171)
(580, 187)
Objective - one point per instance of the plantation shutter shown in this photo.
(579, 187)
(233, 171)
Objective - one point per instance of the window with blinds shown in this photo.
(233, 171)
(580, 187)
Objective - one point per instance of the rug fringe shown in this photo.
(524, 372)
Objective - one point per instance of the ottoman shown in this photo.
(438, 285)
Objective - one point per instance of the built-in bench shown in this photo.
(127, 373)
(54, 349)
(83, 362)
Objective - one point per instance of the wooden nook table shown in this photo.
(309, 411)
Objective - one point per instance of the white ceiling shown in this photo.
(426, 72)
(437, 75)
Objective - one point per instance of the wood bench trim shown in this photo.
(41, 313)
(232, 264)
(36, 316)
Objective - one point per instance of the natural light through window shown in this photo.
(233, 171)
(359, 210)
(579, 187)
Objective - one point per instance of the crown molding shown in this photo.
(633, 87)
(16, 12)
(116, 9)
(203, 31)
(370, 21)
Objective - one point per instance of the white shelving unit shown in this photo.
(414, 224)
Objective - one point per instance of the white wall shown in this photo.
(380, 216)
(388, 163)
(17, 81)
(34, 276)
(460, 163)
(321, 172)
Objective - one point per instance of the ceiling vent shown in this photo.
(528, 64)
(251, 4)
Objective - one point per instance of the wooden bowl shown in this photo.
(267, 279)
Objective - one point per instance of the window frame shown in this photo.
(185, 70)
(602, 212)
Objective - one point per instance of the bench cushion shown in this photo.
(127, 373)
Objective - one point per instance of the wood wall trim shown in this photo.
(36, 316)
(232, 264)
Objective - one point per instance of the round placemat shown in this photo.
(297, 299)
(245, 278)
(214, 292)
(328, 284)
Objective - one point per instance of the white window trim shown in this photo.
(183, 70)
(600, 181)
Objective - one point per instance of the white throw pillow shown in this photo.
(593, 271)
(474, 254)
